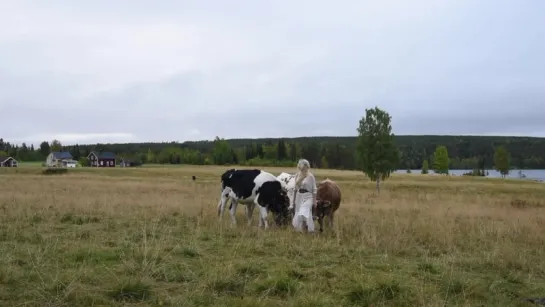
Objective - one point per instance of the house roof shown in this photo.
(104, 155)
(62, 155)
(4, 158)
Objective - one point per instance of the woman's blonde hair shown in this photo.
(303, 165)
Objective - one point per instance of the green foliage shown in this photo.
(223, 154)
(83, 161)
(173, 155)
(269, 151)
(324, 163)
(55, 146)
(55, 171)
(465, 152)
(150, 157)
(264, 162)
(282, 151)
(475, 172)
(45, 149)
(375, 145)
(501, 160)
(425, 167)
(441, 160)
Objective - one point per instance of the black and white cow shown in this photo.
(289, 184)
(254, 187)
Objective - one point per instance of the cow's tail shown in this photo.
(219, 207)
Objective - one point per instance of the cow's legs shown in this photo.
(263, 217)
(221, 206)
(224, 198)
(233, 210)
(321, 222)
(249, 211)
(262, 213)
(259, 208)
(331, 219)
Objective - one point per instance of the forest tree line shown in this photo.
(465, 152)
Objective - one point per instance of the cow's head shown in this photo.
(322, 207)
(280, 208)
(288, 184)
(226, 178)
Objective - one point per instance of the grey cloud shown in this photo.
(179, 70)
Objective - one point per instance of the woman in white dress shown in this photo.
(305, 197)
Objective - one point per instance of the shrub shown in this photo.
(54, 171)
(265, 162)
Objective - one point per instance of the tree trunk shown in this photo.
(378, 185)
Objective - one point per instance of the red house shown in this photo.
(101, 159)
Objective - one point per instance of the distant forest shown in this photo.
(465, 152)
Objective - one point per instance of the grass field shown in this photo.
(151, 237)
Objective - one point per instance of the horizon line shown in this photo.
(285, 137)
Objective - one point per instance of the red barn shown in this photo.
(101, 159)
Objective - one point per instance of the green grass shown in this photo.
(151, 237)
(30, 164)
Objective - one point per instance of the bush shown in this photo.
(475, 172)
(265, 162)
(83, 161)
(54, 171)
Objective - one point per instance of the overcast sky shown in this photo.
(165, 70)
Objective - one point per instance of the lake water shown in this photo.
(531, 174)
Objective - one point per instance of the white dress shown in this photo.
(304, 203)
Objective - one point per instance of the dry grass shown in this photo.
(151, 236)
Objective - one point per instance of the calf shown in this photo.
(328, 200)
(252, 187)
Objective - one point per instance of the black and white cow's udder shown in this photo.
(251, 187)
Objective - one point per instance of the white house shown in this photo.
(60, 159)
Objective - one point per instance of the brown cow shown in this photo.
(328, 200)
